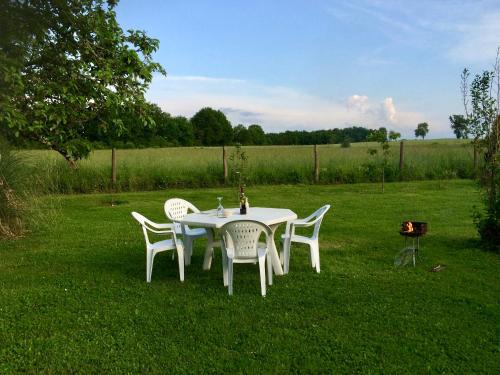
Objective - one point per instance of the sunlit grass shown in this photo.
(73, 295)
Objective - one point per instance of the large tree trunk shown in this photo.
(71, 162)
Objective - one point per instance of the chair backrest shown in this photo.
(143, 221)
(318, 217)
(176, 209)
(243, 237)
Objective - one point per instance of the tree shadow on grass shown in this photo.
(454, 243)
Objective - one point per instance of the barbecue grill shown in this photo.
(413, 230)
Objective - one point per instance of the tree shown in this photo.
(186, 133)
(14, 185)
(211, 127)
(422, 130)
(379, 135)
(67, 66)
(482, 112)
(393, 136)
(240, 135)
(384, 154)
(459, 126)
(256, 135)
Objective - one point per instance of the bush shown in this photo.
(488, 227)
(346, 143)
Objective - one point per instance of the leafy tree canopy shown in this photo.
(67, 66)
(379, 135)
(460, 126)
(240, 135)
(211, 127)
(422, 130)
(394, 136)
(256, 135)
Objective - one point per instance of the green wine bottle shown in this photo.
(243, 202)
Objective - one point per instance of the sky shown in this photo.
(317, 64)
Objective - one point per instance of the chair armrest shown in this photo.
(305, 224)
(164, 226)
(299, 223)
(159, 228)
(159, 231)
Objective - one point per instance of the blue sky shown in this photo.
(306, 64)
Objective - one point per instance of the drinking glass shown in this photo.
(220, 209)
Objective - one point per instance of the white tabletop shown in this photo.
(268, 216)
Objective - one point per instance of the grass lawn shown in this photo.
(73, 295)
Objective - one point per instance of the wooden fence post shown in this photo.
(401, 159)
(316, 164)
(113, 167)
(224, 163)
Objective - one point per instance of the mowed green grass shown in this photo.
(154, 169)
(73, 295)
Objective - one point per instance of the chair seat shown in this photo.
(193, 232)
(301, 239)
(164, 245)
(262, 251)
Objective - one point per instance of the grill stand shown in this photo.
(413, 247)
(413, 229)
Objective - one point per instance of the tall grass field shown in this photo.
(161, 168)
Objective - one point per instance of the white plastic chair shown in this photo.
(290, 236)
(240, 244)
(176, 209)
(157, 247)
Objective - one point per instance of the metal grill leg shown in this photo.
(414, 251)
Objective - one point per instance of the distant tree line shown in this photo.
(209, 127)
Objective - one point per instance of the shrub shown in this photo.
(346, 143)
(488, 227)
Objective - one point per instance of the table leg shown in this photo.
(209, 249)
(275, 258)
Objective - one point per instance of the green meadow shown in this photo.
(161, 168)
(73, 296)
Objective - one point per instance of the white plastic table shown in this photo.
(272, 217)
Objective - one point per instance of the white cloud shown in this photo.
(382, 113)
(358, 102)
(389, 110)
(279, 108)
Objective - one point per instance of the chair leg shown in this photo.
(269, 269)
(149, 265)
(312, 256)
(262, 268)
(224, 267)
(188, 250)
(180, 256)
(230, 276)
(316, 252)
(286, 244)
